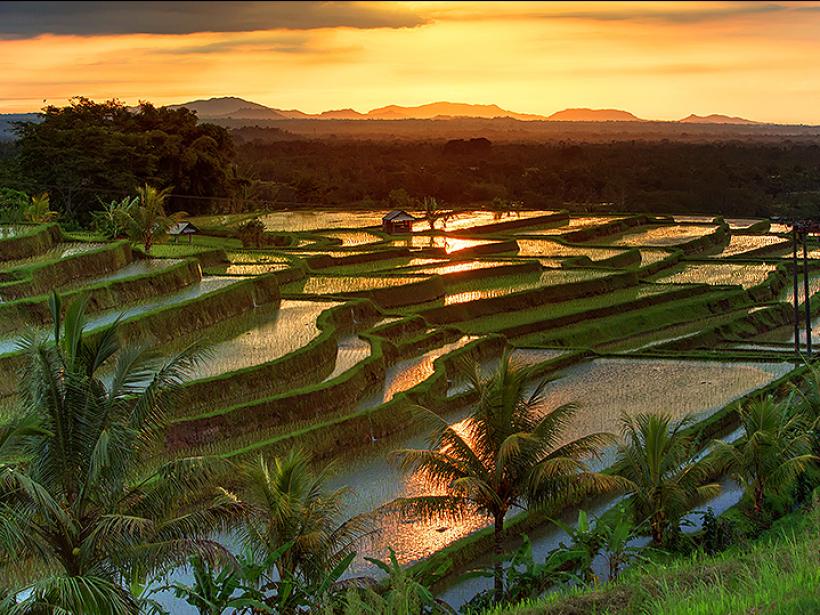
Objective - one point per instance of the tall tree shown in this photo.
(511, 452)
(774, 448)
(88, 149)
(81, 515)
(665, 479)
(432, 211)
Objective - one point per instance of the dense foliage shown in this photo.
(738, 179)
(81, 519)
(88, 151)
(509, 454)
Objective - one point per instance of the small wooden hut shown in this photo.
(398, 221)
(181, 229)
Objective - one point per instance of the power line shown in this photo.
(196, 197)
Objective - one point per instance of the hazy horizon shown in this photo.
(657, 60)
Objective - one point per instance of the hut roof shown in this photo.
(183, 228)
(398, 215)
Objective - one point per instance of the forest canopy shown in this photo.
(90, 153)
(721, 178)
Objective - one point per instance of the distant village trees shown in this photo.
(89, 152)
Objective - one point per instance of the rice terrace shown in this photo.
(430, 358)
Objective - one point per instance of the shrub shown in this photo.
(252, 233)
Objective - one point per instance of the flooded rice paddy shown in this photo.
(740, 224)
(467, 219)
(460, 266)
(335, 285)
(448, 244)
(133, 269)
(266, 333)
(95, 321)
(546, 247)
(787, 293)
(505, 285)
(61, 250)
(746, 275)
(575, 224)
(248, 270)
(353, 238)
(602, 387)
(296, 221)
(351, 350)
(663, 235)
(740, 244)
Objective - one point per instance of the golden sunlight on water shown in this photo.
(412, 537)
(602, 389)
(450, 244)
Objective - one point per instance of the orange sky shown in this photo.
(659, 60)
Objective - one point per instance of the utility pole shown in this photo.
(796, 295)
(806, 293)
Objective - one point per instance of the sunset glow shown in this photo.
(657, 60)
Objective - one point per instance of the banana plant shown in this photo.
(587, 541)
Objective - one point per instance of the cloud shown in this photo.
(305, 47)
(30, 19)
(658, 12)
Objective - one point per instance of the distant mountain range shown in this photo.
(231, 107)
(235, 112)
(593, 115)
(715, 118)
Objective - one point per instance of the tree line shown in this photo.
(87, 154)
(733, 179)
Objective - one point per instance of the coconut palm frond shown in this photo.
(435, 506)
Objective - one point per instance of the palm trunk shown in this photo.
(758, 498)
(498, 568)
(614, 567)
(657, 528)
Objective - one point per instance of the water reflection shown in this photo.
(602, 388)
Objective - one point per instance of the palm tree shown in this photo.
(432, 210)
(81, 517)
(658, 461)
(148, 219)
(808, 398)
(39, 210)
(774, 449)
(510, 453)
(288, 503)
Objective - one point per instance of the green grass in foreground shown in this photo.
(777, 574)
